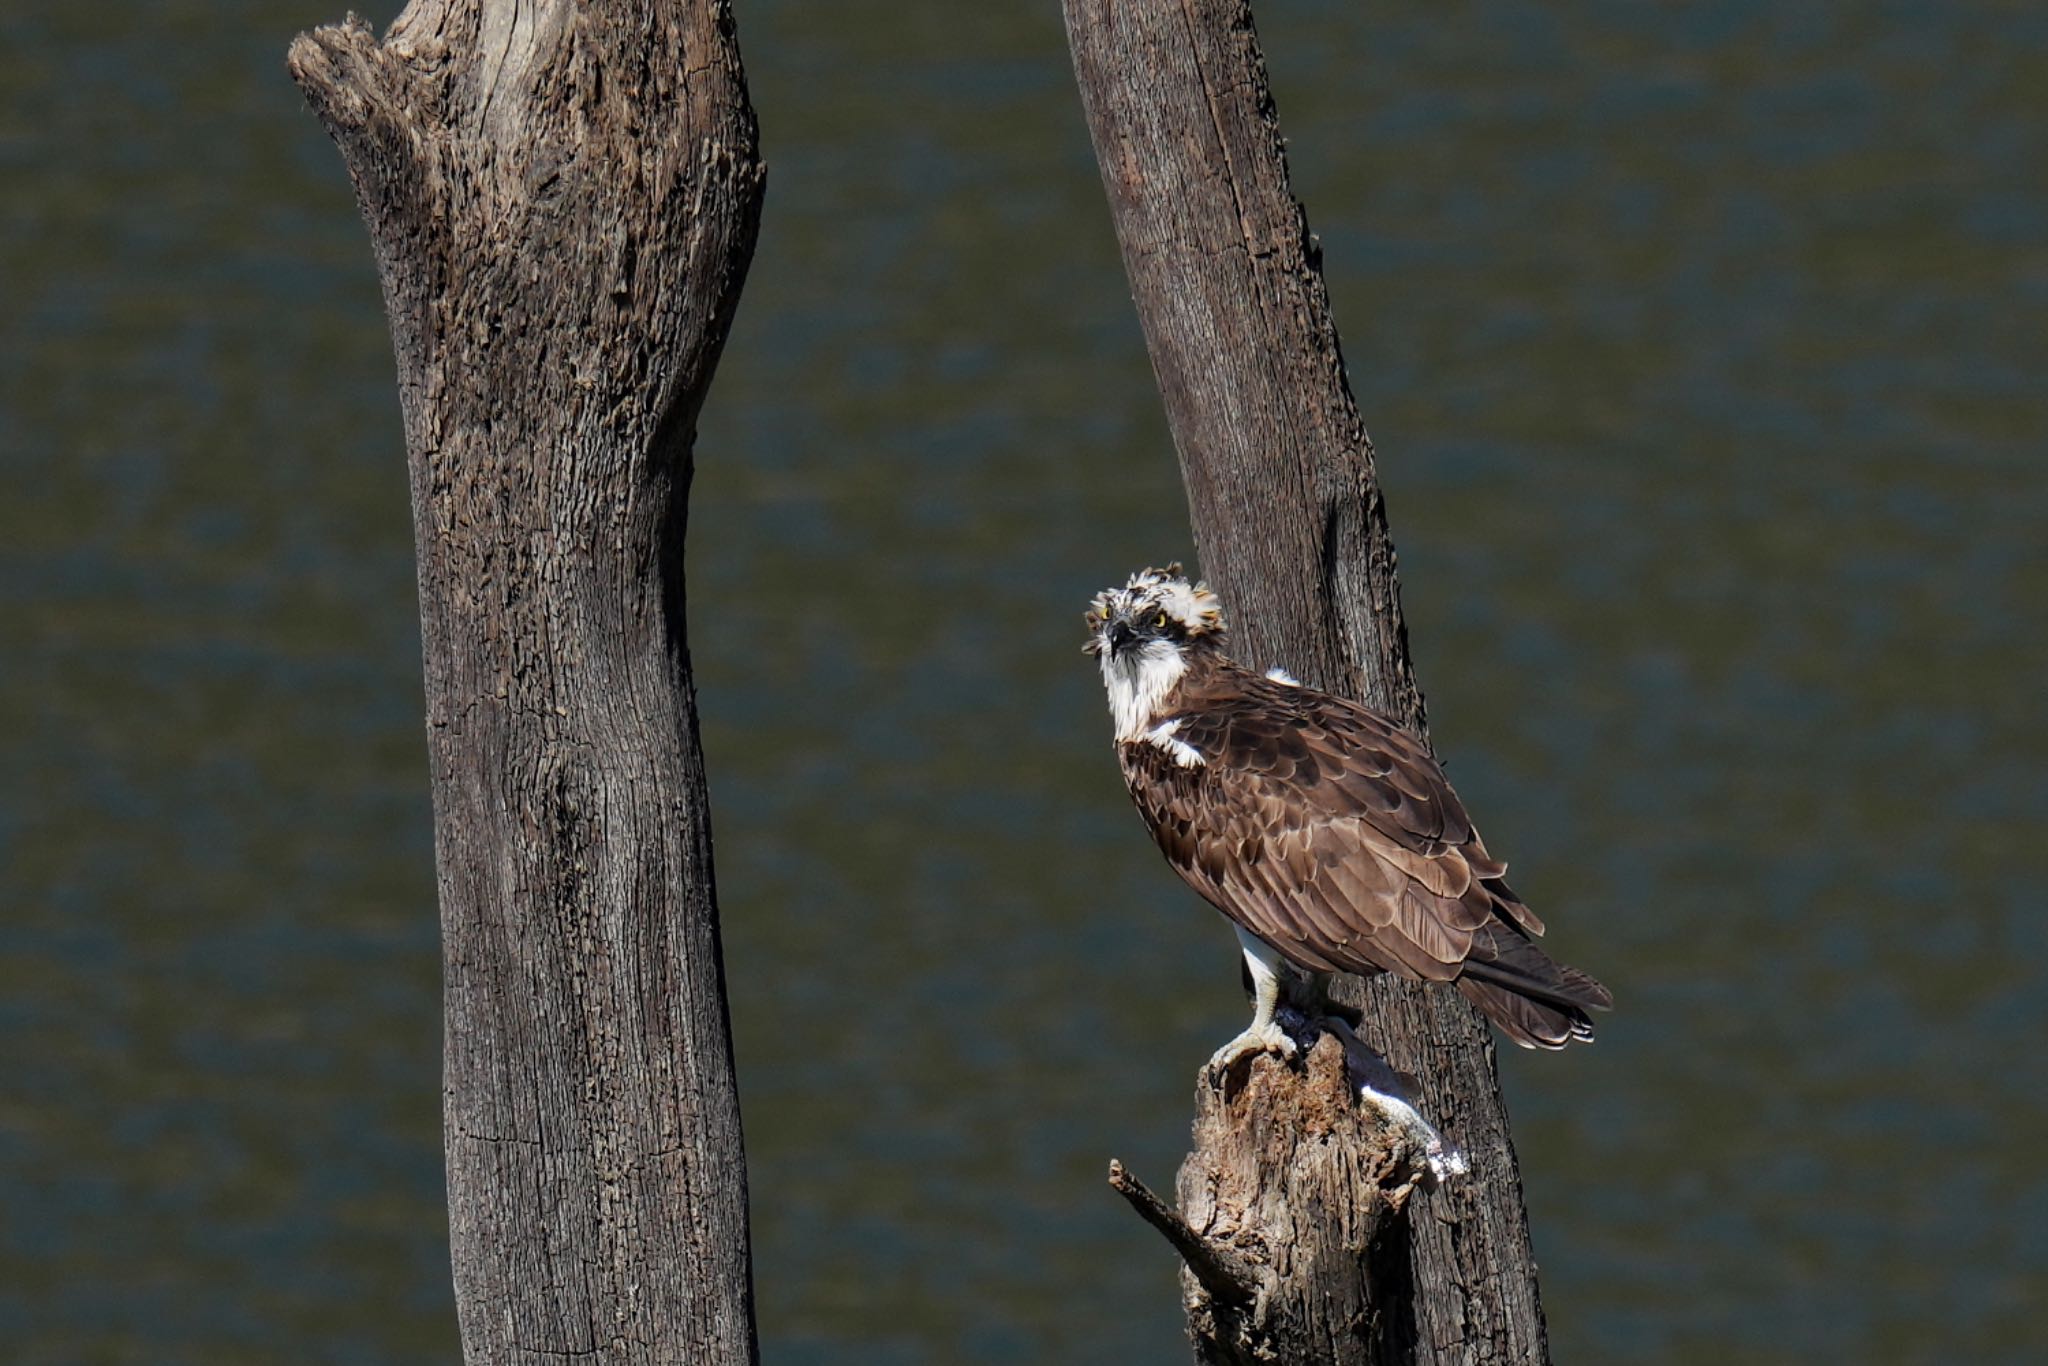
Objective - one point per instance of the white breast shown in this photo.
(1138, 682)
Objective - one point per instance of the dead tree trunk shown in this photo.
(1289, 524)
(563, 200)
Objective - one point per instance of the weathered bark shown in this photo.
(1290, 528)
(563, 200)
(1289, 1221)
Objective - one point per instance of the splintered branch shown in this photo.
(1290, 1218)
(1224, 1272)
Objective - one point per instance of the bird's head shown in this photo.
(1146, 634)
(1157, 611)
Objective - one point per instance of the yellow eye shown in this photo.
(1161, 623)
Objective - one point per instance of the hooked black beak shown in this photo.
(1120, 635)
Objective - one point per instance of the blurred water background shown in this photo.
(1702, 344)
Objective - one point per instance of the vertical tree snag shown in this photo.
(1289, 524)
(563, 200)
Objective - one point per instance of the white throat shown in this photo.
(1138, 682)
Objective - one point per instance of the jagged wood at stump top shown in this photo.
(1289, 1221)
(563, 199)
(1291, 529)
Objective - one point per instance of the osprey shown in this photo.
(1324, 830)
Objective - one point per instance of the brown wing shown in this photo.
(1333, 835)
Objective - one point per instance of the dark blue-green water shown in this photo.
(1703, 349)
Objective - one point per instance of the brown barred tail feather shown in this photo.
(1537, 1001)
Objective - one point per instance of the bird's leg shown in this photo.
(1263, 1034)
(1324, 1007)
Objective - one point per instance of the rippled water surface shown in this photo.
(1702, 344)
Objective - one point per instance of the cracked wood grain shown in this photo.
(1290, 526)
(563, 200)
